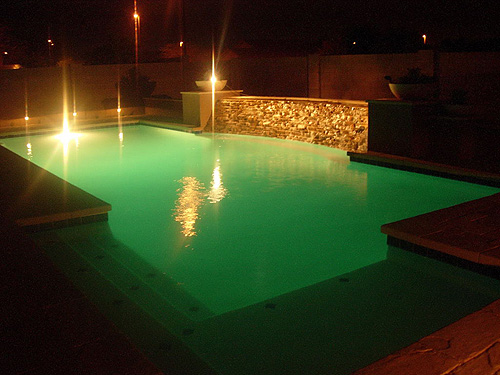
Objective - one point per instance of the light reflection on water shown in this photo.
(191, 197)
(217, 191)
(29, 151)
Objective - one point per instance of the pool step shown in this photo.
(142, 283)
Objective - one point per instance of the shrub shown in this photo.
(414, 75)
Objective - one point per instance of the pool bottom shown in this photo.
(335, 326)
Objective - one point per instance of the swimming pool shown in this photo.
(262, 246)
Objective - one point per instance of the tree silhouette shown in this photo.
(134, 87)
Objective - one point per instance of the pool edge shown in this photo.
(424, 167)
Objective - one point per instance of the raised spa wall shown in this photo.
(333, 123)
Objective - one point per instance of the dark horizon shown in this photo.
(85, 29)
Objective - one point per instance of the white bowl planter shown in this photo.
(207, 85)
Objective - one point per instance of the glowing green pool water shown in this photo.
(237, 220)
(261, 256)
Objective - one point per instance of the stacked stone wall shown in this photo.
(338, 124)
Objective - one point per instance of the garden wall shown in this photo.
(359, 77)
(362, 76)
(476, 73)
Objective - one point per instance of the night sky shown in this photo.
(79, 28)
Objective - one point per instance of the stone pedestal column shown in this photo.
(400, 127)
(197, 105)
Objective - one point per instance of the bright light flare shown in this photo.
(136, 15)
(74, 114)
(118, 110)
(66, 137)
(424, 37)
(26, 118)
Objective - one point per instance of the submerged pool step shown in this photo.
(466, 277)
(137, 278)
(119, 261)
(158, 296)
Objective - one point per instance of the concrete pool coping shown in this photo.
(467, 231)
(35, 198)
(151, 120)
(471, 345)
(470, 233)
(475, 343)
(426, 167)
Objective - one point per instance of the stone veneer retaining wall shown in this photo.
(333, 123)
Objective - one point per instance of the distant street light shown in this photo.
(50, 43)
(137, 24)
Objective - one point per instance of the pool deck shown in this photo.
(468, 235)
(151, 120)
(470, 232)
(48, 326)
(469, 346)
